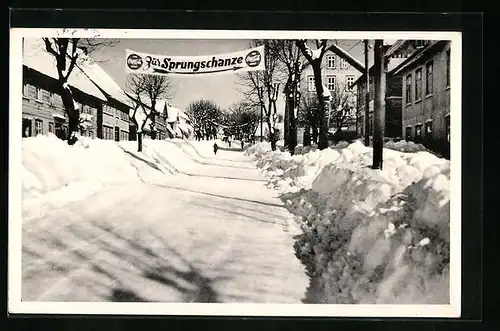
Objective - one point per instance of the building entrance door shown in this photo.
(117, 133)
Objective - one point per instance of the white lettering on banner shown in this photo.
(151, 64)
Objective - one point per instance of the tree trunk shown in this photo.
(71, 112)
(323, 125)
(307, 135)
(153, 119)
(139, 141)
(315, 134)
(272, 136)
(273, 141)
(286, 120)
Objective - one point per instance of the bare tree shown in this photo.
(243, 119)
(156, 87)
(315, 57)
(262, 88)
(205, 115)
(291, 58)
(308, 117)
(67, 51)
(145, 91)
(342, 107)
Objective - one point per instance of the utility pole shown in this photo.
(286, 125)
(261, 114)
(379, 103)
(367, 95)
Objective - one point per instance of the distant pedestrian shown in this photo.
(242, 144)
(215, 148)
(229, 141)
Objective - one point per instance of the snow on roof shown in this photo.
(97, 74)
(160, 105)
(36, 57)
(394, 62)
(348, 57)
(173, 112)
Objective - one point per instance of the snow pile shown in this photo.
(259, 149)
(405, 146)
(49, 163)
(369, 236)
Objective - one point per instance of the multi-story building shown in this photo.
(42, 106)
(113, 115)
(393, 98)
(425, 76)
(102, 104)
(339, 72)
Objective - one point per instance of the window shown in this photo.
(107, 109)
(310, 84)
(25, 90)
(428, 79)
(343, 64)
(38, 127)
(349, 82)
(418, 133)
(330, 61)
(330, 82)
(428, 129)
(408, 89)
(123, 116)
(420, 43)
(447, 68)
(124, 135)
(39, 93)
(408, 133)
(51, 128)
(107, 133)
(418, 84)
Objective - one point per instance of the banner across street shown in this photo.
(153, 64)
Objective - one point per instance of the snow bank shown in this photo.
(368, 236)
(50, 164)
(405, 146)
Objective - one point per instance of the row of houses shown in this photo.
(417, 91)
(417, 94)
(103, 105)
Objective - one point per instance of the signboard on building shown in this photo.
(151, 64)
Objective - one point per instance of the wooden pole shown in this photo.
(367, 95)
(261, 118)
(379, 105)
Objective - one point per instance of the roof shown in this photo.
(393, 64)
(36, 57)
(348, 57)
(395, 47)
(419, 54)
(103, 80)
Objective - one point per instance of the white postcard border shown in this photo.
(15, 305)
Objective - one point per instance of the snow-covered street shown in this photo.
(205, 229)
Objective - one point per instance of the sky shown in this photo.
(222, 89)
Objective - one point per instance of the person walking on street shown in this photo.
(242, 143)
(215, 148)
